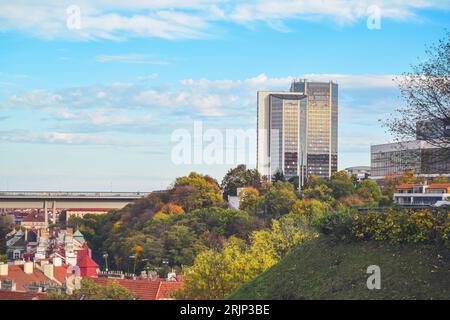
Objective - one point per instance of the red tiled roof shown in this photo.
(89, 209)
(16, 274)
(60, 273)
(144, 289)
(14, 295)
(167, 288)
(405, 186)
(439, 186)
(34, 217)
(86, 262)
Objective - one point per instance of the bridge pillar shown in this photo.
(45, 214)
(54, 211)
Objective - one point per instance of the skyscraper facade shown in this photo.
(297, 130)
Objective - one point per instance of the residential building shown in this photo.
(359, 172)
(418, 155)
(297, 130)
(147, 289)
(80, 213)
(422, 194)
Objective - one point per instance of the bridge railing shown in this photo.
(73, 194)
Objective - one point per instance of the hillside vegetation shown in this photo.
(327, 268)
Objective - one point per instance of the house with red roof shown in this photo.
(146, 289)
(422, 194)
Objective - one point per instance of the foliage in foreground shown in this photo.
(215, 274)
(395, 226)
(325, 268)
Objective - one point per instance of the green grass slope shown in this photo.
(325, 269)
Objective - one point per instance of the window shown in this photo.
(16, 254)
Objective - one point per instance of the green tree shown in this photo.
(319, 192)
(240, 177)
(278, 176)
(369, 190)
(310, 209)
(279, 198)
(209, 193)
(249, 200)
(216, 274)
(6, 226)
(182, 245)
(342, 184)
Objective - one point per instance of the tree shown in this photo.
(408, 176)
(6, 226)
(310, 209)
(319, 192)
(188, 197)
(90, 290)
(441, 179)
(342, 184)
(249, 200)
(216, 274)
(279, 198)
(426, 90)
(369, 190)
(182, 245)
(240, 177)
(313, 181)
(209, 193)
(172, 209)
(278, 176)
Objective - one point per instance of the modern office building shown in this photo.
(297, 130)
(418, 155)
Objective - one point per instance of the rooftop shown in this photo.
(21, 279)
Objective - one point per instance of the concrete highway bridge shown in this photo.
(67, 200)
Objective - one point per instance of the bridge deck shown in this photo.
(70, 195)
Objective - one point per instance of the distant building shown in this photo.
(80, 213)
(297, 130)
(419, 156)
(59, 259)
(359, 172)
(34, 221)
(233, 201)
(422, 195)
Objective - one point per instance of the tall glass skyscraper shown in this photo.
(297, 130)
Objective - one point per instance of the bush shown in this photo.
(395, 226)
(403, 226)
(337, 224)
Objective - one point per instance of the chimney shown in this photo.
(3, 269)
(48, 270)
(28, 267)
(57, 261)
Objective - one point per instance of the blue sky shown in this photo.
(94, 108)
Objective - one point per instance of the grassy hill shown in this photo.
(326, 269)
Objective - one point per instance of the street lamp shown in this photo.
(105, 256)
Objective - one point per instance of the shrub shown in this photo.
(337, 224)
(403, 226)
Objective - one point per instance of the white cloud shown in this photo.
(196, 97)
(130, 58)
(174, 19)
(87, 115)
(23, 136)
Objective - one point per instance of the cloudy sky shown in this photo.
(91, 103)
